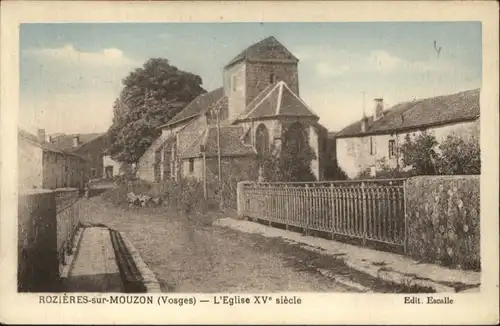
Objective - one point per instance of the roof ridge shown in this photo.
(262, 99)
(300, 100)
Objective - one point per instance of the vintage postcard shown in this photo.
(249, 162)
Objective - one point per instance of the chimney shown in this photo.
(364, 123)
(76, 141)
(41, 135)
(378, 109)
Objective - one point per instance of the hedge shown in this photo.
(443, 220)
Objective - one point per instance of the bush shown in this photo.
(424, 156)
(288, 166)
(334, 172)
(420, 153)
(458, 156)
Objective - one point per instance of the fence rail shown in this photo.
(369, 210)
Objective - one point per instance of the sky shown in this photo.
(71, 73)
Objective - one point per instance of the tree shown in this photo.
(152, 95)
(459, 156)
(286, 165)
(420, 153)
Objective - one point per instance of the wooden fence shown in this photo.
(369, 210)
(47, 221)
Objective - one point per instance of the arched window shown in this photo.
(261, 139)
(295, 139)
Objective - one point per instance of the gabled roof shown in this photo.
(65, 142)
(196, 106)
(268, 49)
(45, 146)
(230, 143)
(277, 100)
(424, 113)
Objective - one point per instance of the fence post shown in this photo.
(332, 209)
(405, 247)
(364, 199)
(287, 206)
(307, 210)
(239, 198)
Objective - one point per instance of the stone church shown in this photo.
(256, 109)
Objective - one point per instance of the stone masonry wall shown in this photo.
(258, 77)
(443, 218)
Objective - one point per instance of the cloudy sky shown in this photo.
(70, 74)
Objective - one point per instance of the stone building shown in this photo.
(93, 148)
(363, 144)
(255, 110)
(42, 165)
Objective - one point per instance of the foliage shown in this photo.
(287, 166)
(152, 95)
(334, 172)
(458, 156)
(420, 153)
(384, 171)
(423, 156)
(444, 220)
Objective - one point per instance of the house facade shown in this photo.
(365, 143)
(93, 148)
(257, 110)
(42, 165)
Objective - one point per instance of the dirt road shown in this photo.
(189, 254)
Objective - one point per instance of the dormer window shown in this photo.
(272, 78)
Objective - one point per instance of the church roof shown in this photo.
(424, 113)
(268, 49)
(230, 143)
(196, 106)
(277, 100)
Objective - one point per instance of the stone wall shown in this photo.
(235, 89)
(258, 77)
(190, 133)
(443, 220)
(30, 161)
(38, 265)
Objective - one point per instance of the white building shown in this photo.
(361, 145)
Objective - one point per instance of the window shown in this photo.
(272, 78)
(191, 165)
(261, 139)
(392, 148)
(372, 146)
(93, 173)
(233, 83)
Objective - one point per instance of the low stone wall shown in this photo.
(47, 220)
(443, 220)
(38, 265)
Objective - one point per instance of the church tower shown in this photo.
(258, 67)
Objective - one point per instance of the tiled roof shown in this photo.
(65, 142)
(196, 106)
(230, 143)
(267, 49)
(423, 113)
(46, 146)
(276, 100)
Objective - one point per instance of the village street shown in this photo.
(189, 254)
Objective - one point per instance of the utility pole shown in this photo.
(364, 104)
(217, 113)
